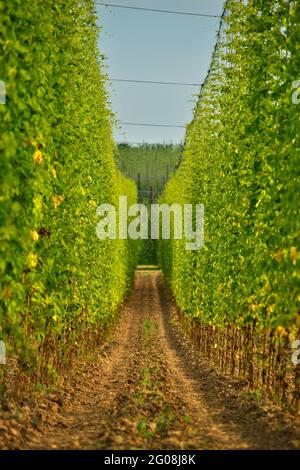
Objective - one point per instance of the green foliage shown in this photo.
(58, 282)
(241, 160)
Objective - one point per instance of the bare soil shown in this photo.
(148, 389)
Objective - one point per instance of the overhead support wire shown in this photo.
(201, 85)
(154, 82)
(149, 125)
(205, 15)
(150, 143)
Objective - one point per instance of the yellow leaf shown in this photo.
(281, 331)
(32, 260)
(57, 200)
(38, 157)
(294, 254)
(278, 256)
(53, 172)
(34, 235)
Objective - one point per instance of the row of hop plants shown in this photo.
(59, 284)
(240, 295)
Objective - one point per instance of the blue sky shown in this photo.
(161, 47)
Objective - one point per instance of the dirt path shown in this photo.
(149, 390)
